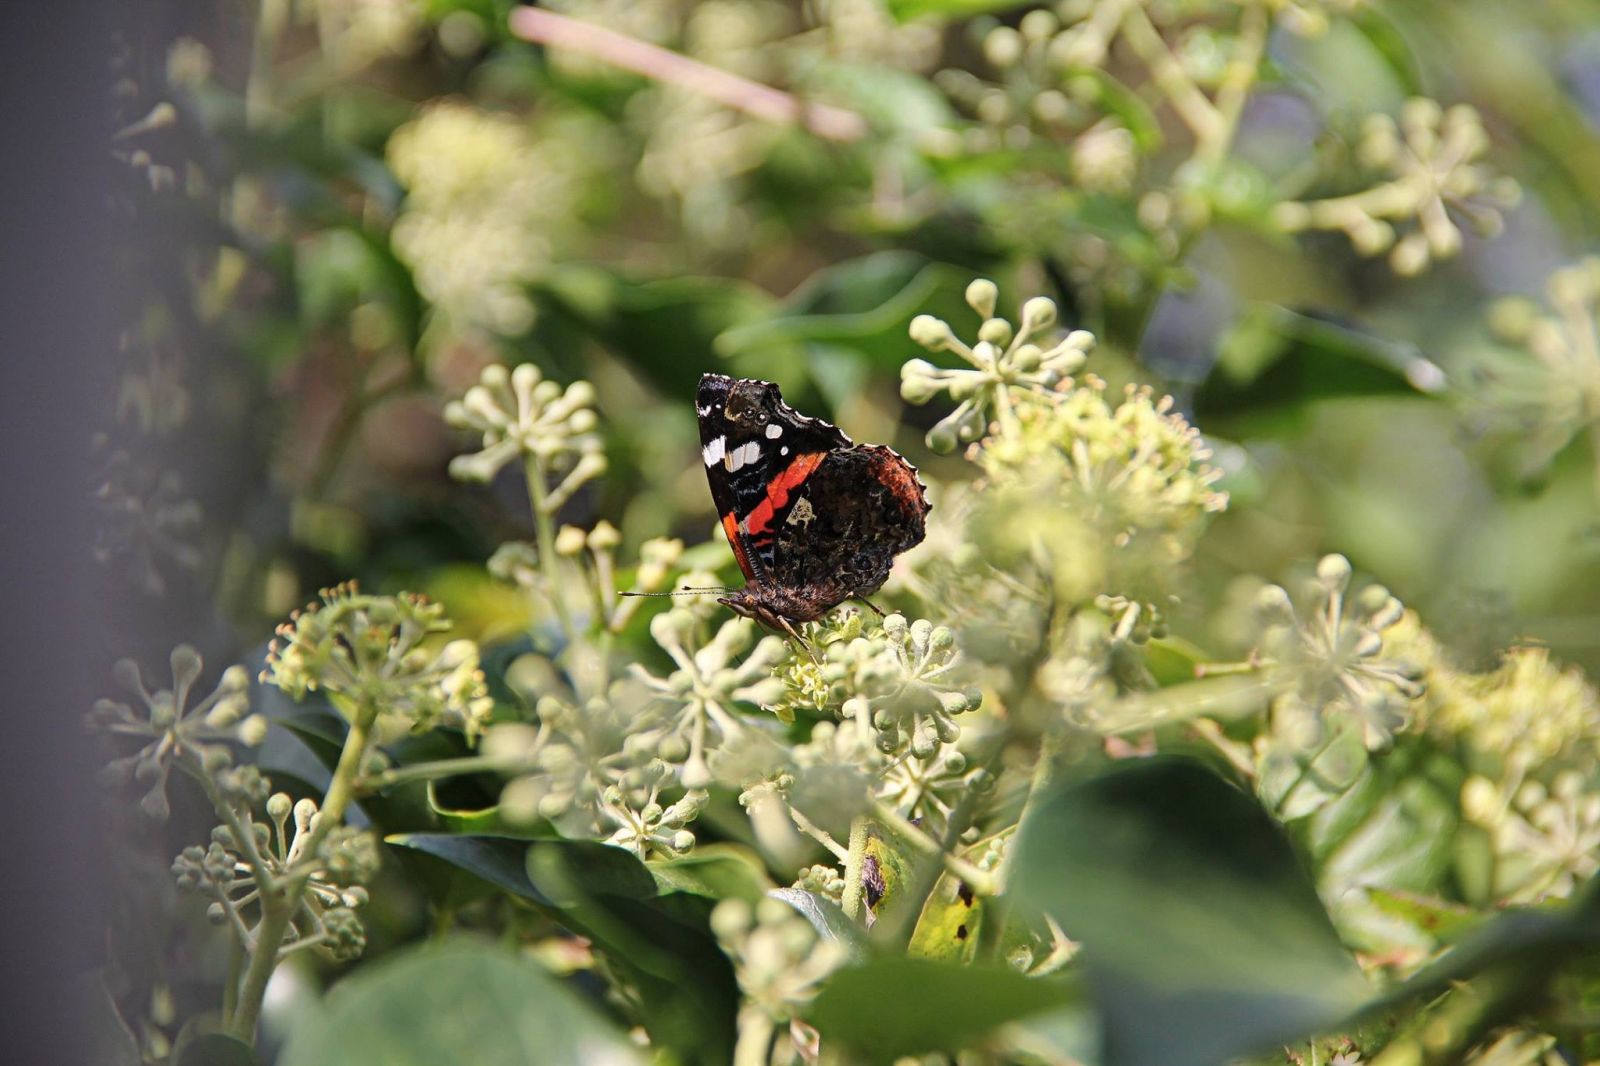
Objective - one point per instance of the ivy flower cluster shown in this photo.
(373, 652)
(172, 728)
(1335, 660)
(780, 961)
(520, 413)
(907, 686)
(1009, 369)
(1551, 398)
(710, 681)
(232, 868)
(1432, 174)
(488, 199)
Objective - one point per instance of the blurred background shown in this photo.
(336, 212)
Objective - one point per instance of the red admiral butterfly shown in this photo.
(814, 519)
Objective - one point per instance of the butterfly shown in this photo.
(814, 519)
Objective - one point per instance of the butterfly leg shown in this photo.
(799, 641)
(878, 610)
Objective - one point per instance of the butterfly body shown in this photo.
(813, 518)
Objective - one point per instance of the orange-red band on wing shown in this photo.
(730, 527)
(778, 491)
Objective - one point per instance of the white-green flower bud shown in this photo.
(1037, 314)
(932, 333)
(1333, 572)
(569, 541)
(731, 918)
(982, 294)
(995, 332)
(1002, 46)
(1480, 801)
(186, 665)
(1273, 605)
(253, 730)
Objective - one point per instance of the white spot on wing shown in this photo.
(774, 431)
(712, 453)
(783, 450)
(742, 456)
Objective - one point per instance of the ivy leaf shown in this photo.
(1203, 937)
(501, 861)
(716, 871)
(895, 1006)
(464, 1002)
(200, 1043)
(827, 918)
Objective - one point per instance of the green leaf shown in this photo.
(501, 861)
(1439, 919)
(896, 1006)
(860, 305)
(480, 821)
(199, 1043)
(662, 945)
(664, 328)
(1344, 72)
(1203, 936)
(827, 918)
(464, 1002)
(1273, 361)
(717, 871)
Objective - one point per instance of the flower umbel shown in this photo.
(906, 685)
(229, 870)
(1334, 656)
(1431, 159)
(171, 728)
(372, 651)
(1552, 398)
(779, 958)
(1009, 367)
(702, 693)
(519, 412)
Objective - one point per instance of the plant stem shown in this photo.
(432, 771)
(991, 931)
(1237, 79)
(1197, 112)
(754, 99)
(545, 536)
(755, 1039)
(230, 987)
(280, 903)
(819, 834)
(855, 860)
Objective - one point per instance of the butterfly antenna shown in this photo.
(715, 590)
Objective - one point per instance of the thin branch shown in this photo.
(754, 99)
(819, 834)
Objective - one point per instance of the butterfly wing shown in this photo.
(842, 528)
(757, 452)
